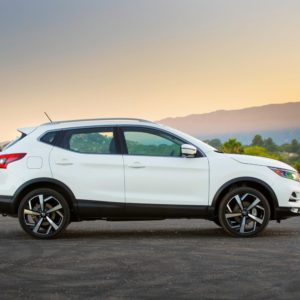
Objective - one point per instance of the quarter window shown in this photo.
(49, 138)
(91, 141)
(151, 143)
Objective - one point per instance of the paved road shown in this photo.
(173, 259)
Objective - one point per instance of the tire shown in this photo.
(244, 212)
(44, 213)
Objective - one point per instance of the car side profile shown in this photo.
(131, 169)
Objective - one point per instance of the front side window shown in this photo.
(90, 141)
(151, 143)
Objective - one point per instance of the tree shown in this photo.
(270, 145)
(294, 146)
(297, 166)
(261, 151)
(216, 143)
(232, 146)
(284, 147)
(257, 141)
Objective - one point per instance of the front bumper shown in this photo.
(6, 205)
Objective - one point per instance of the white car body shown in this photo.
(147, 187)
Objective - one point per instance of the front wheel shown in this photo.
(44, 213)
(244, 212)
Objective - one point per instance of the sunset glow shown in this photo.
(150, 59)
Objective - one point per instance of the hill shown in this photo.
(279, 121)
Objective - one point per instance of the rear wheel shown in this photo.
(244, 212)
(44, 213)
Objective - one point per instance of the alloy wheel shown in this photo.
(245, 212)
(44, 214)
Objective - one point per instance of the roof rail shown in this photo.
(99, 119)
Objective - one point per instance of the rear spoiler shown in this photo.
(26, 130)
(23, 131)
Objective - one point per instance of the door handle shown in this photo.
(64, 162)
(136, 165)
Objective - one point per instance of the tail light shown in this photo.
(6, 159)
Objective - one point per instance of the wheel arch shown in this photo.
(45, 183)
(258, 184)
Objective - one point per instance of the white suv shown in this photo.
(132, 169)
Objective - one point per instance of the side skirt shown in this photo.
(114, 211)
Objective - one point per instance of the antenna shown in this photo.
(48, 117)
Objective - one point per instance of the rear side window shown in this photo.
(90, 141)
(49, 138)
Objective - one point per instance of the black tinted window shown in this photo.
(91, 141)
(49, 138)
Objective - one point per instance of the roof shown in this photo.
(116, 120)
(96, 122)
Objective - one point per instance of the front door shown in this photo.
(157, 174)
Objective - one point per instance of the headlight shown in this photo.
(286, 173)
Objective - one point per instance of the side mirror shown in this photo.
(188, 150)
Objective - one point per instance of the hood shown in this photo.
(260, 161)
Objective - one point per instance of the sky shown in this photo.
(149, 59)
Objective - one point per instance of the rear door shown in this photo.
(89, 162)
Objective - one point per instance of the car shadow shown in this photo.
(147, 234)
(170, 233)
(211, 233)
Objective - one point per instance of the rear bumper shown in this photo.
(283, 213)
(6, 205)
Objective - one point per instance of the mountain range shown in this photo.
(281, 122)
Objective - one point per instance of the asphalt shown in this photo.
(171, 259)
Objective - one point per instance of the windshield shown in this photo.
(202, 145)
